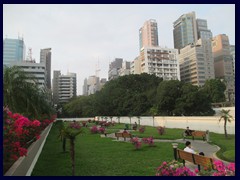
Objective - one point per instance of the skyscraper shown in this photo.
(13, 51)
(64, 87)
(148, 34)
(45, 57)
(114, 67)
(223, 63)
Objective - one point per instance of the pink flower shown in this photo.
(36, 123)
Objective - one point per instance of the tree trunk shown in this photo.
(72, 151)
(225, 128)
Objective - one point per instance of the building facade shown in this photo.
(92, 85)
(125, 70)
(64, 87)
(13, 51)
(223, 64)
(45, 57)
(148, 34)
(160, 61)
(135, 66)
(114, 68)
(196, 63)
(36, 70)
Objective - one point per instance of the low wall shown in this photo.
(24, 165)
(203, 123)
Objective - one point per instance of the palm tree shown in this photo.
(22, 95)
(227, 118)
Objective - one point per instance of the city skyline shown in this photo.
(83, 35)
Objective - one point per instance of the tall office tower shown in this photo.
(13, 51)
(45, 57)
(160, 61)
(114, 67)
(196, 63)
(148, 34)
(64, 87)
(185, 30)
(202, 29)
(223, 63)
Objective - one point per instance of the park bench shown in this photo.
(195, 159)
(123, 135)
(199, 134)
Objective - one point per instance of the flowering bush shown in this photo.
(148, 141)
(136, 142)
(173, 168)
(161, 130)
(101, 130)
(19, 132)
(141, 129)
(220, 170)
(94, 129)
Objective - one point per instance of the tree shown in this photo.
(22, 95)
(215, 88)
(70, 131)
(227, 118)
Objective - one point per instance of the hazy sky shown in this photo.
(81, 35)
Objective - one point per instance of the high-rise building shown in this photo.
(45, 57)
(114, 67)
(13, 51)
(125, 70)
(188, 29)
(148, 34)
(196, 62)
(92, 85)
(136, 66)
(223, 63)
(232, 52)
(64, 87)
(160, 61)
(33, 69)
(185, 30)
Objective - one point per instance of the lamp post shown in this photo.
(175, 145)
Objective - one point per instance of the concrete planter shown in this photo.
(24, 165)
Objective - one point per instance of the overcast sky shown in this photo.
(83, 35)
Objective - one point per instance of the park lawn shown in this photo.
(227, 151)
(96, 156)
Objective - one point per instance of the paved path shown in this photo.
(198, 145)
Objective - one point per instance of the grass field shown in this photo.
(96, 156)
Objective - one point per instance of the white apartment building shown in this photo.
(34, 69)
(160, 61)
(64, 87)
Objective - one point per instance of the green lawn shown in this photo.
(96, 156)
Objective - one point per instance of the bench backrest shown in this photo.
(118, 134)
(185, 155)
(198, 133)
(195, 158)
(127, 135)
(203, 161)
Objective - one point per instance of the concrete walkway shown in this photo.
(198, 145)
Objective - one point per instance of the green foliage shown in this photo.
(214, 88)
(22, 95)
(140, 95)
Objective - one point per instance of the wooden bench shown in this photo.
(199, 134)
(195, 159)
(123, 135)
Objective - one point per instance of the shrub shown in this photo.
(136, 142)
(101, 130)
(141, 129)
(94, 129)
(173, 168)
(148, 141)
(161, 130)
